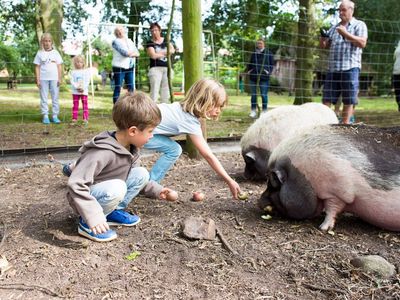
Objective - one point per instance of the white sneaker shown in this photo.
(253, 114)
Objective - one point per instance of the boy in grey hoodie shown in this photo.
(107, 175)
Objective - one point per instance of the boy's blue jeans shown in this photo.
(116, 193)
(170, 152)
(264, 85)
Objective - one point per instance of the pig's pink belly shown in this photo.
(381, 212)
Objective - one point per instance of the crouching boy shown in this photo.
(107, 175)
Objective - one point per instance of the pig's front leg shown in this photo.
(332, 207)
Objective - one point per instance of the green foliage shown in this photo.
(131, 12)
(74, 13)
(17, 19)
(10, 60)
(103, 54)
(382, 19)
(237, 24)
(27, 48)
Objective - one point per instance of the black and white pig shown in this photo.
(274, 126)
(337, 168)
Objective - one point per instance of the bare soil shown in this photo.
(275, 259)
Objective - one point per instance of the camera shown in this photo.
(323, 32)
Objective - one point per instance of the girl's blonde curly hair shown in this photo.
(204, 95)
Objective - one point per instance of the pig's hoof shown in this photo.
(325, 226)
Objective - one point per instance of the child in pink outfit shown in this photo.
(80, 78)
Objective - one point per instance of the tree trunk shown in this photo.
(49, 18)
(305, 52)
(192, 53)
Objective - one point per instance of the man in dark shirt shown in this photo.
(259, 69)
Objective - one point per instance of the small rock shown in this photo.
(199, 228)
(4, 265)
(374, 264)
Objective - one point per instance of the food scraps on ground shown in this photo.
(133, 255)
(266, 217)
(172, 196)
(243, 196)
(268, 208)
(198, 196)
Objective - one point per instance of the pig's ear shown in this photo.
(278, 177)
(251, 155)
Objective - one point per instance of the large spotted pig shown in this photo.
(273, 127)
(337, 168)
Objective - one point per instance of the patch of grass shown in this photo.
(21, 127)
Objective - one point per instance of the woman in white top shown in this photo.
(123, 62)
(396, 75)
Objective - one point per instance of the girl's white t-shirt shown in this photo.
(175, 121)
(48, 61)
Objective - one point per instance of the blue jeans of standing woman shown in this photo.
(170, 152)
(263, 84)
(120, 75)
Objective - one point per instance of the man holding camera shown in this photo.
(345, 42)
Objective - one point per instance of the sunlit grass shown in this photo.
(20, 119)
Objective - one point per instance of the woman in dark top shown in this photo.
(158, 73)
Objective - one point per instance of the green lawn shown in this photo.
(21, 127)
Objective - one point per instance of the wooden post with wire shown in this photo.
(192, 54)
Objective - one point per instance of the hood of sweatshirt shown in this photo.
(106, 140)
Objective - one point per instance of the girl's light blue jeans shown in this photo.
(116, 193)
(170, 151)
(45, 87)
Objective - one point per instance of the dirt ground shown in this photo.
(276, 259)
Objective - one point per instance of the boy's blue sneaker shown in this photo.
(56, 120)
(46, 119)
(120, 217)
(84, 230)
(352, 119)
(66, 170)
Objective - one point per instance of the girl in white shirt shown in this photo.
(48, 77)
(204, 99)
(80, 78)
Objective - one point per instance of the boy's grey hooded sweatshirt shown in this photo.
(102, 158)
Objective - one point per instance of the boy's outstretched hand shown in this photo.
(168, 194)
(100, 228)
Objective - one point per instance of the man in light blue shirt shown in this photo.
(345, 41)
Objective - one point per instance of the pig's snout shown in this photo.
(264, 200)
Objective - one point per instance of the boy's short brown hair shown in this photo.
(136, 109)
